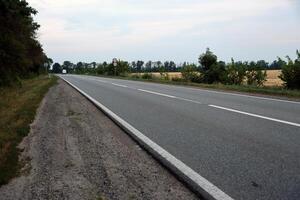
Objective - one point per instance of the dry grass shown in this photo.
(17, 110)
(272, 77)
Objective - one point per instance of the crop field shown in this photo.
(272, 77)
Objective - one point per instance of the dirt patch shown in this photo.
(75, 152)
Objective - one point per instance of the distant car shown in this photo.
(64, 71)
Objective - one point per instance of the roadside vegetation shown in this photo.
(18, 105)
(23, 80)
(208, 73)
(21, 54)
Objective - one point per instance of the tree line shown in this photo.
(21, 54)
(209, 70)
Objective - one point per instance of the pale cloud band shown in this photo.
(132, 29)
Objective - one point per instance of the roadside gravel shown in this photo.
(75, 152)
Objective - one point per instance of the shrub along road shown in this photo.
(246, 146)
(75, 152)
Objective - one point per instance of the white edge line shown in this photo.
(255, 115)
(195, 181)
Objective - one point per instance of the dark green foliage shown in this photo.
(236, 73)
(56, 68)
(207, 59)
(211, 70)
(255, 75)
(135, 76)
(147, 76)
(177, 79)
(21, 54)
(291, 73)
(189, 72)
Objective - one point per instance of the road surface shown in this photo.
(249, 147)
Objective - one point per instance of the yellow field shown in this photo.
(272, 77)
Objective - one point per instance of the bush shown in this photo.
(236, 73)
(291, 74)
(178, 79)
(136, 76)
(164, 76)
(189, 72)
(147, 76)
(256, 77)
(211, 70)
(215, 74)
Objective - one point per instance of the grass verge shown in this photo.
(18, 107)
(264, 90)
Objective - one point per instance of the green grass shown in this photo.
(18, 107)
(274, 91)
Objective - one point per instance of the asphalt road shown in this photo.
(249, 147)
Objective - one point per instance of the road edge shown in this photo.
(193, 180)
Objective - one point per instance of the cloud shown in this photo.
(94, 26)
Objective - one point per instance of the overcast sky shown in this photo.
(179, 30)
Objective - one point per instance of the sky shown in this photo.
(178, 30)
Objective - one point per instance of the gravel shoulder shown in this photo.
(75, 152)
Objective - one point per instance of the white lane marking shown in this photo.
(201, 184)
(255, 115)
(99, 80)
(244, 95)
(124, 86)
(189, 100)
(170, 96)
(157, 93)
(218, 92)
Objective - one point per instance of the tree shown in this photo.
(20, 53)
(67, 65)
(172, 66)
(139, 65)
(291, 73)
(262, 64)
(255, 74)
(56, 68)
(211, 70)
(122, 67)
(277, 64)
(207, 59)
(236, 72)
(133, 66)
(189, 73)
(148, 66)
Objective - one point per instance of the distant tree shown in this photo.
(211, 70)
(148, 66)
(207, 59)
(261, 64)
(67, 65)
(56, 68)
(189, 73)
(49, 63)
(122, 67)
(236, 72)
(291, 73)
(172, 66)
(133, 66)
(139, 65)
(277, 64)
(255, 74)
